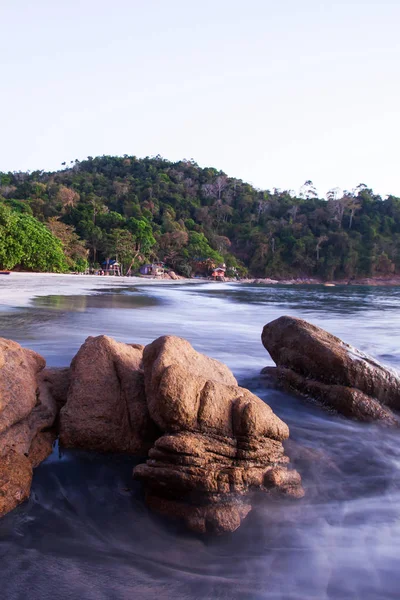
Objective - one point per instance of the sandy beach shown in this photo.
(17, 289)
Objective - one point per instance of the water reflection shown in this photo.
(120, 299)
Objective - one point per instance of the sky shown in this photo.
(271, 92)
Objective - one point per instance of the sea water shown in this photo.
(86, 534)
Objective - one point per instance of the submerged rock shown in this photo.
(106, 408)
(221, 444)
(315, 363)
(27, 416)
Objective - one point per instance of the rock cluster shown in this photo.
(220, 443)
(210, 445)
(27, 415)
(315, 363)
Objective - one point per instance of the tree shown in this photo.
(122, 244)
(308, 190)
(68, 198)
(221, 243)
(98, 206)
(28, 244)
(95, 239)
(199, 248)
(220, 184)
(142, 236)
(262, 207)
(171, 244)
(353, 205)
(292, 212)
(208, 190)
(384, 265)
(320, 241)
(74, 248)
(334, 194)
(11, 251)
(336, 208)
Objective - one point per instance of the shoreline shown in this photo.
(149, 280)
(364, 281)
(19, 288)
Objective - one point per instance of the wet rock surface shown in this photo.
(57, 381)
(314, 363)
(27, 415)
(106, 408)
(15, 480)
(212, 447)
(221, 444)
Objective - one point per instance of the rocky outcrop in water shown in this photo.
(220, 443)
(106, 407)
(212, 446)
(315, 363)
(27, 416)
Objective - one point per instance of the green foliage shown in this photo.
(142, 234)
(28, 244)
(198, 248)
(142, 209)
(74, 249)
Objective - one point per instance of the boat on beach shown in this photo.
(5, 272)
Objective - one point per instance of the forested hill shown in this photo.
(143, 209)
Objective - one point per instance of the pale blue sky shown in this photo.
(273, 92)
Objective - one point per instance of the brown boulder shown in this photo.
(315, 363)
(172, 351)
(106, 407)
(15, 480)
(221, 444)
(57, 381)
(27, 416)
(18, 371)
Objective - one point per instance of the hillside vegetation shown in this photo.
(144, 209)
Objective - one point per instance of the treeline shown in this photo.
(144, 209)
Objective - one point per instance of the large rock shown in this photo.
(159, 360)
(18, 372)
(27, 416)
(315, 363)
(15, 480)
(221, 444)
(57, 381)
(106, 408)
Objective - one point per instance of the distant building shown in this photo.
(219, 273)
(111, 267)
(152, 269)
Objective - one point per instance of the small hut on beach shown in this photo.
(218, 273)
(154, 269)
(111, 267)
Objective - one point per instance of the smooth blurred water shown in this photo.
(86, 534)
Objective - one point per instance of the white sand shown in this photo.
(17, 289)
